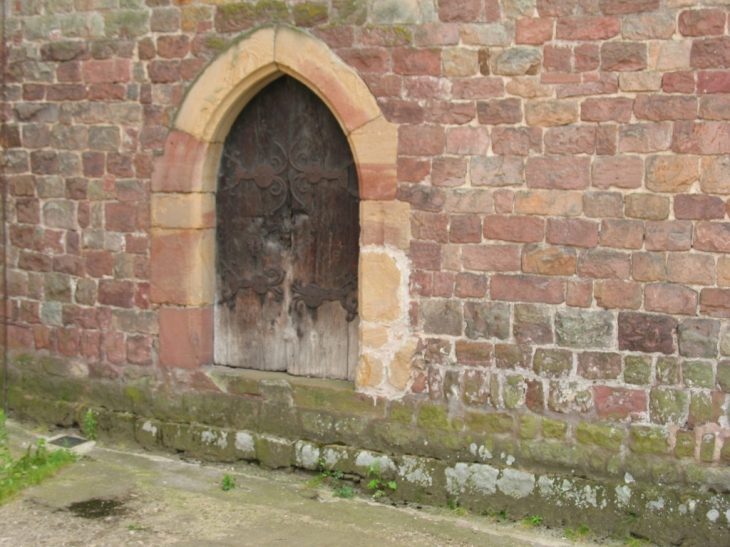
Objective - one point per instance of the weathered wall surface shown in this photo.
(566, 164)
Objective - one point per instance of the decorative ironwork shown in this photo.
(260, 283)
(265, 176)
(311, 174)
(313, 295)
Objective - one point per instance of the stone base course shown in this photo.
(618, 480)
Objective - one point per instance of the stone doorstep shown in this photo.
(82, 448)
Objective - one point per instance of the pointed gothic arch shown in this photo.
(184, 185)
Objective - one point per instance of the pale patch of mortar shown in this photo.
(211, 437)
(623, 496)
(477, 478)
(413, 470)
(367, 459)
(306, 455)
(149, 428)
(244, 442)
(515, 483)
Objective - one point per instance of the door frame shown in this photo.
(183, 202)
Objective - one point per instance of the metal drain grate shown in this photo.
(67, 441)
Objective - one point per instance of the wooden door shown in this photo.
(287, 238)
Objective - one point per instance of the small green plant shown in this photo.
(581, 533)
(37, 464)
(89, 425)
(452, 505)
(534, 520)
(333, 476)
(345, 491)
(136, 528)
(228, 483)
(381, 487)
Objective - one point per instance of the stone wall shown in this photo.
(546, 184)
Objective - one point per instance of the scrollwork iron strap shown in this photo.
(312, 295)
(310, 174)
(260, 284)
(265, 176)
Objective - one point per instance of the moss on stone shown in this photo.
(707, 447)
(604, 436)
(637, 370)
(433, 416)
(272, 10)
(489, 423)
(685, 444)
(528, 426)
(310, 14)
(401, 412)
(698, 374)
(215, 43)
(649, 440)
(554, 429)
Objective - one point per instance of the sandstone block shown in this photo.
(379, 288)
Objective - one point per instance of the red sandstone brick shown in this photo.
(555, 8)
(99, 263)
(425, 87)
(623, 234)
(476, 88)
(579, 293)
(470, 285)
(116, 293)
(108, 71)
(691, 269)
(464, 11)
(430, 226)
(491, 258)
(606, 109)
(662, 107)
(421, 140)
(701, 138)
(121, 217)
(614, 403)
(678, 82)
(570, 140)
(604, 264)
(474, 353)
(642, 138)
(623, 56)
(514, 228)
(558, 172)
(411, 61)
(443, 284)
(534, 31)
(710, 53)
(545, 260)
(716, 81)
(494, 112)
(587, 28)
(467, 141)
(647, 206)
(617, 294)
(450, 113)
(465, 229)
(649, 267)
(527, 288)
(425, 255)
(618, 172)
(186, 337)
(668, 236)
(702, 22)
(520, 141)
(715, 302)
(622, 7)
(421, 283)
(448, 171)
(570, 231)
(366, 59)
(715, 108)
(558, 59)
(698, 207)
(712, 236)
(402, 111)
(667, 298)
(173, 47)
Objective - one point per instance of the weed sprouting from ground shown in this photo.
(334, 477)
(37, 464)
(228, 483)
(89, 425)
(376, 483)
(534, 520)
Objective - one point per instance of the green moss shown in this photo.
(310, 14)
(554, 429)
(649, 440)
(272, 10)
(707, 447)
(433, 417)
(215, 43)
(685, 445)
(529, 425)
(489, 423)
(610, 438)
(401, 413)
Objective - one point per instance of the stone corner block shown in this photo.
(386, 223)
(183, 267)
(188, 164)
(379, 288)
(179, 211)
(186, 337)
(375, 147)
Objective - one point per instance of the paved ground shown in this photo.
(159, 500)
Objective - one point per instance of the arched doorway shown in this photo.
(287, 238)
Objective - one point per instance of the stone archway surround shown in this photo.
(183, 202)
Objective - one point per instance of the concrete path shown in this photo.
(158, 500)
